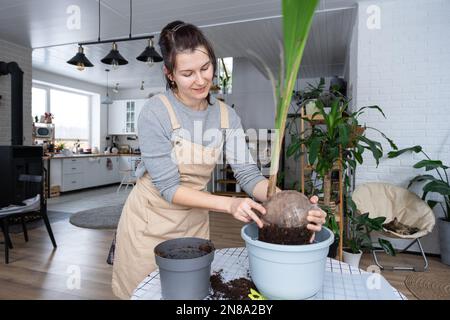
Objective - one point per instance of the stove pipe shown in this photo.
(16, 73)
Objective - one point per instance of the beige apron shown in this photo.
(148, 219)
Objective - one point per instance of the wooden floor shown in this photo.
(36, 271)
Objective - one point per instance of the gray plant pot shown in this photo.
(288, 272)
(184, 269)
(444, 240)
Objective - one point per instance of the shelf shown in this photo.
(230, 194)
(318, 118)
(226, 181)
(311, 168)
(336, 208)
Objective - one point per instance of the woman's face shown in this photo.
(193, 74)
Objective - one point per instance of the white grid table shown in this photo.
(341, 281)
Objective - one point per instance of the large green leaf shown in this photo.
(370, 107)
(421, 178)
(375, 224)
(297, 20)
(432, 203)
(343, 134)
(430, 165)
(358, 155)
(293, 147)
(352, 163)
(394, 154)
(437, 186)
(387, 247)
(314, 148)
(374, 148)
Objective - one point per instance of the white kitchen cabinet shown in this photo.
(116, 117)
(55, 172)
(73, 174)
(72, 181)
(109, 174)
(99, 173)
(123, 116)
(86, 172)
(92, 171)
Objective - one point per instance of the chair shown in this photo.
(386, 200)
(129, 173)
(36, 204)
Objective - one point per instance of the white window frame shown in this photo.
(47, 89)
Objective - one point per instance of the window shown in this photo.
(71, 116)
(71, 112)
(225, 74)
(39, 102)
(130, 116)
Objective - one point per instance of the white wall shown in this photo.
(10, 52)
(99, 115)
(351, 64)
(404, 68)
(252, 96)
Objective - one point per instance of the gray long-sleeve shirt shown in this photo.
(200, 127)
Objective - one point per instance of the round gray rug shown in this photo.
(98, 218)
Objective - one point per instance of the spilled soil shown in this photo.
(236, 289)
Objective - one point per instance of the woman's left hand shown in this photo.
(316, 217)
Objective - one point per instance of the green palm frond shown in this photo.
(297, 20)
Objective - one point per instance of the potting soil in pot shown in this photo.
(189, 252)
(285, 219)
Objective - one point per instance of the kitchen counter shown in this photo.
(90, 155)
(81, 171)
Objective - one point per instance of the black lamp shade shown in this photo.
(80, 59)
(114, 55)
(149, 52)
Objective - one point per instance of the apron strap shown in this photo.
(224, 122)
(173, 117)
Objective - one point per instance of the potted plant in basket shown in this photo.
(437, 184)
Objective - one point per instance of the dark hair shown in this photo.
(179, 36)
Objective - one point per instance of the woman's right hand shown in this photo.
(241, 209)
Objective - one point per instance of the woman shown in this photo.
(169, 199)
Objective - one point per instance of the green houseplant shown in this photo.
(359, 239)
(360, 228)
(331, 223)
(225, 79)
(433, 184)
(340, 141)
